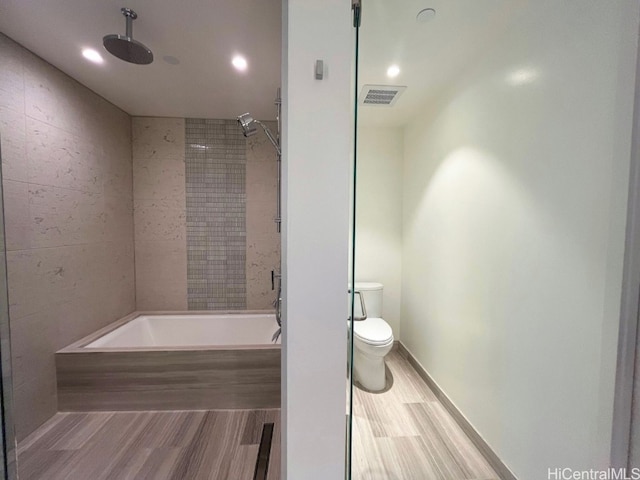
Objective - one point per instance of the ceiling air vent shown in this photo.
(380, 95)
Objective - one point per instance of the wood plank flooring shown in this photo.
(405, 433)
(179, 445)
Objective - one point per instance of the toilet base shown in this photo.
(369, 370)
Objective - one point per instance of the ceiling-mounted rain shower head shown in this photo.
(124, 46)
(248, 124)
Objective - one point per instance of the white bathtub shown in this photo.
(191, 330)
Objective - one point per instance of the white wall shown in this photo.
(379, 215)
(514, 214)
(317, 136)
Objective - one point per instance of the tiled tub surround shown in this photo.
(66, 159)
(129, 366)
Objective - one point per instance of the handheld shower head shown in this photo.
(249, 128)
(124, 46)
(248, 124)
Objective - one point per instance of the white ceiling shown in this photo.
(202, 34)
(432, 56)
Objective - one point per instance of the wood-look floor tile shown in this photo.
(159, 464)
(365, 459)
(43, 464)
(243, 462)
(383, 413)
(211, 451)
(82, 432)
(404, 385)
(128, 465)
(59, 432)
(404, 433)
(274, 472)
(253, 428)
(229, 425)
(187, 425)
(407, 458)
(447, 436)
(41, 432)
(107, 454)
(408, 386)
(193, 445)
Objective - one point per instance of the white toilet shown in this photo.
(372, 338)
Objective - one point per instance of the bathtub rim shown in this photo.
(80, 345)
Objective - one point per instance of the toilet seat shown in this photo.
(373, 331)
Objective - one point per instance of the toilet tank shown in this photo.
(372, 294)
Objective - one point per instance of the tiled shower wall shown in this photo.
(159, 213)
(263, 240)
(205, 199)
(216, 229)
(66, 161)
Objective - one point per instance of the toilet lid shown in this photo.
(374, 331)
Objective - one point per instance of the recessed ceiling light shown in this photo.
(239, 62)
(426, 15)
(393, 71)
(92, 55)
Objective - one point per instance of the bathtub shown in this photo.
(173, 361)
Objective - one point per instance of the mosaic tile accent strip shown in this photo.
(215, 162)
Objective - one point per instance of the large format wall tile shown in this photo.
(159, 177)
(17, 219)
(13, 144)
(118, 221)
(11, 76)
(161, 138)
(64, 217)
(35, 401)
(34, 337)
(161, 275)
(159, 213)
(56, 157)
(67, 179)
(159, 219)
(263, 240)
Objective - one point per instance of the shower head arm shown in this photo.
(270, 136)
(129, 28)
(130, 16)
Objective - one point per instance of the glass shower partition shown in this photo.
(356, 11)
(8, 465)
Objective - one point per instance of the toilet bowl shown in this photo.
(372, 340)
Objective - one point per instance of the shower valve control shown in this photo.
(274, 275)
